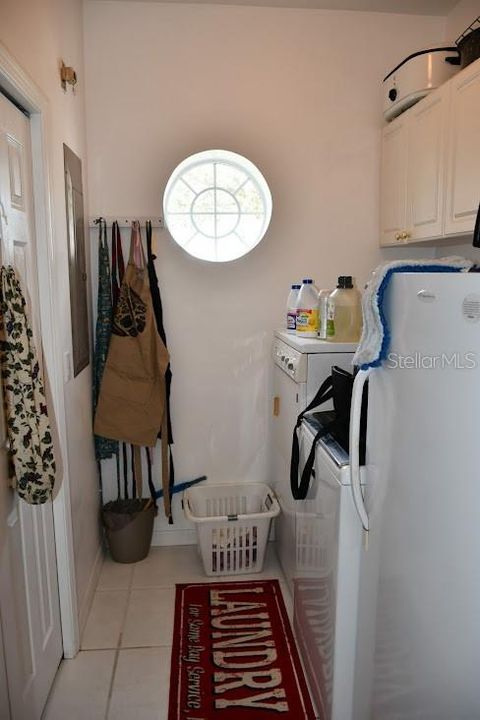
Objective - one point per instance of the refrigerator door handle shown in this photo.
(355, 416)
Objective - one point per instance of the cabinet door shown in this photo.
(393, 190)
(463, 175)
(425, 181)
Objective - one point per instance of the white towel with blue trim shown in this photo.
(375, 340)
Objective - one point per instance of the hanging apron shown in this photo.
(104, 448)
(118, 271)
(118, 266)
(132, 399)
(28, 426)
(158, 312)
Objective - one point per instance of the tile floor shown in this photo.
(123, 668)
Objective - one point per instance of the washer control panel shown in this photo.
(293, 362)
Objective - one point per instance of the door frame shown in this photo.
(21, 88)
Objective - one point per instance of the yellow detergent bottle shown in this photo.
(307, 310)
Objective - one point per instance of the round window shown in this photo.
(217, 205)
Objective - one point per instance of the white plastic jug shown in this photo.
(292, 309)
(307, 310)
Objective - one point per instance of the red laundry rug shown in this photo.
(234, 656)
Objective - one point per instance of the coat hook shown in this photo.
(68, 76)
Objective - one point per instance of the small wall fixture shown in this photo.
(68, 76)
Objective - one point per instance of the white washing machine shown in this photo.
(328, 544)
(300, 367)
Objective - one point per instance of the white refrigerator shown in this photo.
(418, 624)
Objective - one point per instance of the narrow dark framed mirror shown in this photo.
(77, 260)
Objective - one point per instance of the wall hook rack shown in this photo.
(126, 222)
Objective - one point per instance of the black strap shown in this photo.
(172, 469)
(299, 490)
(154, 289)
(119, 491)
(151, 486)
(132, 461)
(125, 469)
(308, 467)
(118, 264)
(476, 232)
(158, 313)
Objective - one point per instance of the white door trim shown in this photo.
(23, 90)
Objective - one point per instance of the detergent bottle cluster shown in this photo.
(334, 315)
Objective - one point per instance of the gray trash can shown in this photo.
(129, 528)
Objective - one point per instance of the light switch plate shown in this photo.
(67, 366)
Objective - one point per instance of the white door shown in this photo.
(393, 191)
(463, 175)
(425, 184)
(29, 604)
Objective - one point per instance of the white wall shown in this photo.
(299, 93)
(39, 34)
(462, 15)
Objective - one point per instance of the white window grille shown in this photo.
(217, 205)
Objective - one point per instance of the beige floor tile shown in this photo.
(115, 576)
(166, 566)
(81, 687)
(149, 620)
(105, 620)
(141, 681)
(141, 685)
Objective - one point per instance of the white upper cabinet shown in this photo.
(393, 201)
(430, 177)
(425, 186)
(463, 178)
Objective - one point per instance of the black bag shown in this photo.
(337, 387)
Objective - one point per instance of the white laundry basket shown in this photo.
(233, 522)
